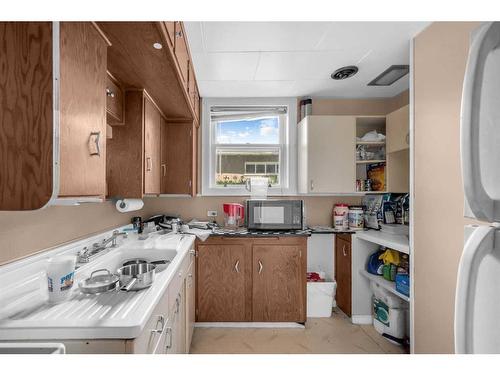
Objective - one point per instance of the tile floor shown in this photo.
(335, 335)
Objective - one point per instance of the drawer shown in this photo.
(114, 101)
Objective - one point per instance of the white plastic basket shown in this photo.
(320, 299)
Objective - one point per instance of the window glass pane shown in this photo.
(271, 168)
(264, 130)
(234, 167)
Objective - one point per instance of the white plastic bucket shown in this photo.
(60, 277)
(320, 299)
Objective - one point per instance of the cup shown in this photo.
(60, 277)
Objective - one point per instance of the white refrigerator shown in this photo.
(477, 301)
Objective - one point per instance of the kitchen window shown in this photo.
(244, 139)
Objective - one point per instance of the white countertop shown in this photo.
(112, 315)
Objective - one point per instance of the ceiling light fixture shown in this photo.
(390, 75)
(344, 72)
(157, 45)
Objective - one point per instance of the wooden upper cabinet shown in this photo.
(178, 158)
(26, 118)
(181, 52)
(82, 110)
(170, 26)
(397, 128)
(152, 143)
(279, 283)
(114, 101)
(221, 283)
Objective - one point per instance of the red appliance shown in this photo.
(234, 215)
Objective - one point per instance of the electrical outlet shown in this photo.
(212, 213)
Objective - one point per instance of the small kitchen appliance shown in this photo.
(275, 214)
(234, 215)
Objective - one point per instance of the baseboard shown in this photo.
(248, 325)
(361, 319)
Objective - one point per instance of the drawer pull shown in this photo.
(110, 93)
(94, 148)
(168, 333)
(236, 266)
(261, 267)
(343, 251)
(164, 169)
(148, 164)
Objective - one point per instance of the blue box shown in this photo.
(403, 284)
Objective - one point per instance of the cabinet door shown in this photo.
(83, 110)
(152, 142)
(331, 163)
(178, 333)
(343, 274)
(397, 128)
(279, 283)
(190, 304)
(220, 280)
(179, 158)
(170, 26)
(163, 155)
(181, 52)
(114, 102)
(26, 118)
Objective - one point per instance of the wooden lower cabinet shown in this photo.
(343, 272)
(222, 288)
(251, 279)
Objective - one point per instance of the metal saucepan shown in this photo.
(136, 276)
(103, 281)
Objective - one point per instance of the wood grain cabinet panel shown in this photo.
(114, 101)
(279, 291)
(170, 26)
(181, 52)
(82, 110)
(221, 291)
(152, 144)
(26, 120)
(343, 272)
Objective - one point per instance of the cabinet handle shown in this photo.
(407, 138)
(236, 266)
(178, 303)
(261, 267)
(94, 148)
(168, 333)
(164, 169)
(148, 164)
(312, 185)
(343, 250)
(178, 34)
(161, 320)
(110, 93)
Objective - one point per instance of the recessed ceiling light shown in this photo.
(390, 75)
(344, 72)
(157, 45)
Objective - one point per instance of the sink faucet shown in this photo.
(85, 255)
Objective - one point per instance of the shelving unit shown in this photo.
(395, 242)
(390, 286)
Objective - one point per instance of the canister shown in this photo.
(340, 216)
(356, 218)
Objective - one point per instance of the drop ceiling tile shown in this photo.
(235, 66)
(282, 65)
(245, 88)
(263, 36)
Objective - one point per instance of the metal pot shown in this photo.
(100, 283)
(136, 276)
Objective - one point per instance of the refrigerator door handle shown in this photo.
(481, 204)
(477, 244)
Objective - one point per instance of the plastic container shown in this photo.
(321, 299)
(389, 312)
(403, 284)
(356, 218)
(60, 277)
(340, 216)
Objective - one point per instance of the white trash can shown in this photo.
(320, 299)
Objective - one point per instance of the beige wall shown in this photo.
(26, 232)
(375, 107)
(318, 209)
(439, 60)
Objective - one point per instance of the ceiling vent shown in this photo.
(390, 75)
(344, 72)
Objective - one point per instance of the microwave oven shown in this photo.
(275, 214)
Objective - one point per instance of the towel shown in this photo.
(199, 233)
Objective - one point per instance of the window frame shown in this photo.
(287, 146)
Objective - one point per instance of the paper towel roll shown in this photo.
(127, 205)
